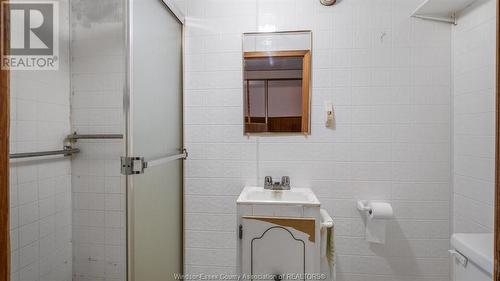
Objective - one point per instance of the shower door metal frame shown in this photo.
(127, 102)
(496, 228)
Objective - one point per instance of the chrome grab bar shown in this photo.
(76, 136)
(67, 151)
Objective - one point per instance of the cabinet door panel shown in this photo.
(275, 249)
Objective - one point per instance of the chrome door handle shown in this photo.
(136, 165)
(166, 159)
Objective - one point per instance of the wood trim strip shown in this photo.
(4, 154)
(293, 53)
(306, 78)
(305, 225)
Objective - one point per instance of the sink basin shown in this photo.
(294, 196)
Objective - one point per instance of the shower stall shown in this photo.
(96, 147)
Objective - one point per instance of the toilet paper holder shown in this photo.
(363, 206)
(378, 213)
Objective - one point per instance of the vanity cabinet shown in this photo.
(278, 239)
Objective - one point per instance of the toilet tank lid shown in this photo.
(477, 247)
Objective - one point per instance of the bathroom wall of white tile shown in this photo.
(389, 78)
(40, 189)
(474, 118)
(97, 78)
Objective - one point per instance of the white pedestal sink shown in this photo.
(279, 233)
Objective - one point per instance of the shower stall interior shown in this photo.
(78, 209)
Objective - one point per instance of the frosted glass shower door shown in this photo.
(154, 126)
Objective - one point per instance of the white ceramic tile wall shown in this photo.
(388, 76)
(40, 190)
(98, 71)
(474, 118)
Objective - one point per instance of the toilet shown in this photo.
(472, 256)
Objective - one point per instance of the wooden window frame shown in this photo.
(306, 81)
(4, 155)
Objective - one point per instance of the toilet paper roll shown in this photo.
(380, 210)
(376, 222)
(375, 230)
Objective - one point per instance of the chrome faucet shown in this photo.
(283, 185)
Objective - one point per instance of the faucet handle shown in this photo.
(268, 182)
(285, 181)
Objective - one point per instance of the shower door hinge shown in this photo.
(240, 232)
(132, 165)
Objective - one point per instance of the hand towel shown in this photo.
(327, 252)
(330, 250)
